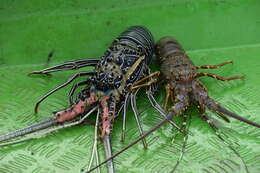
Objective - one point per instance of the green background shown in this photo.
(212, 31)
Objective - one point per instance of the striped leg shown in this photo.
(183, 128)
(69, 65)
(150, 82)
(156, 106)
(213, 66)
(199, 74)
(145, 84)
(168, 94)
(124, 117)
(73, 89)
(94, 148)
(133, 105)
(148, 77)
(79, 74)
(185, 139)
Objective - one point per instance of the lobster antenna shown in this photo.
(214, 106)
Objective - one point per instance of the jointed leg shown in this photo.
(74, 87)
(185, 139)
(199, 74)
(168, 91)
(172, 96)
(79, 74)
(69, 65)
(160, 110)
(183, 128)
(216, 129)
(147, 77)
(108, 151)
(124, 118)
(94, 148)
(213, 66)
(133, 105)
(145, 84)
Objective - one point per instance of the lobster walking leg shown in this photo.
(79, 74)
(202, 106)
(185, 139)
(183, 127)
(213, 66)
(124, 118)
(69, 65)
(161, 111)
(172, 96)
(94, 148)
(199, 74)
(168, 94)
(154, 102)
(148, 77)
(133, 105)
(145, 84)
(73, 89)
(108, 150)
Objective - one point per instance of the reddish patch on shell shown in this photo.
(105, 123)
(92, 99)
(75, 109)
(106, 119)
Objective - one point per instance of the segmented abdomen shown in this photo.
(172, 57)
